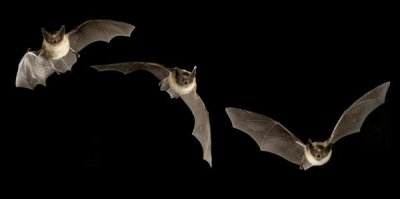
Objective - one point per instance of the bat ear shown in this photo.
(175, 71)
(310, 142)
(44, 32)
(62, 30)
(194, 71)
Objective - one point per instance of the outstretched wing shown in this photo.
(97, 30)
(65, 63)
(270, 135)
(33, 69)
(352, 119)
(202, 123)
(157, 70)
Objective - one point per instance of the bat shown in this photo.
(59, 50)
(273, 137)
(177, 83)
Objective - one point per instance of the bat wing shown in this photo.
(202, 123)
(33, 69)
(157, 70)
(65, 63)
(270, 135)
(352, 119)
(97, 30)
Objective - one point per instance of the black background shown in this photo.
(298, 64)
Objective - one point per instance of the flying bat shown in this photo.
(59, 50)
(178, 83)
(273, 137)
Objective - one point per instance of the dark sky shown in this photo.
(298, 65)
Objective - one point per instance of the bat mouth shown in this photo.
(318, 157)
(53, 42)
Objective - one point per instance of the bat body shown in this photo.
(59, 50)
(273, 137)
(177, 83)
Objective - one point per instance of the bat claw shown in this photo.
(77, 55)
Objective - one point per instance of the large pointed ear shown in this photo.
(194, 72)
(310, 142)
(174, 72)
(61, 32)
(44, 32)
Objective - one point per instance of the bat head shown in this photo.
(184, 77)
(53, 38)
(319, 150)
